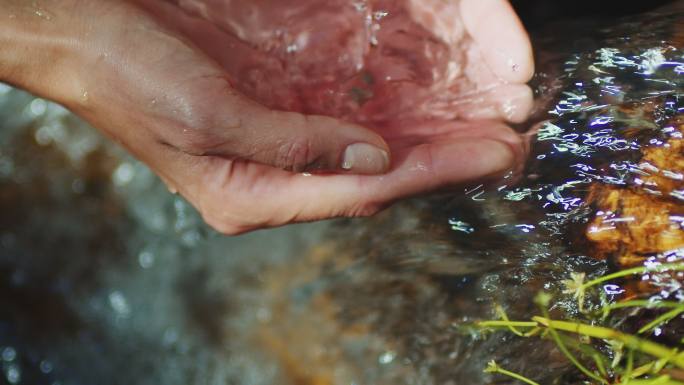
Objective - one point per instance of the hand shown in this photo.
(149, 75)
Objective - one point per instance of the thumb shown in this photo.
(293, 141)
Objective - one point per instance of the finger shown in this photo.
(414, 133)
(512, 102)
(232, 126)
(498, 32)
(491, 98)
(285, 197)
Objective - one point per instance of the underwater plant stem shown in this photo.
(632, 271)
(502, 313)
(494, 368)
(571, 357)
(517, 376)
(643, 303)
(630, 341)
(506, 324)
(662, 380)
(662, 319)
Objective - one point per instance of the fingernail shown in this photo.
(364, 158)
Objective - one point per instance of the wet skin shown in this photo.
(153, 77)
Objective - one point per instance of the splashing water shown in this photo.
(370, 61)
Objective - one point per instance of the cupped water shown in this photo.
(106, 278)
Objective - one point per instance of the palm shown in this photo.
(445, 132)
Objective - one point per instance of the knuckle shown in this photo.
(294, 154)
(219, 217)
(197, 140)
(365, 210)
(225, 226)
(230, 218)
(200, 129)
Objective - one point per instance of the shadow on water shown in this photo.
(109, 279)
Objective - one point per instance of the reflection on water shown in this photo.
(106, 278)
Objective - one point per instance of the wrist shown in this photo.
(39, 44)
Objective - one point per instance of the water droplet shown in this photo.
(13, 374)
(45, 366)
(43, 14)
(119, 304)
(387, 357)
(9, 354)
(123, 174)
(513, 65)
(379, 15)
(292, 48)
(146, 259)
(38, 107)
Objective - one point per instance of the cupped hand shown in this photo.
(152, 76)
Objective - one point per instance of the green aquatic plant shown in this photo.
(621, 358)
(492, 367)
(577, 286)
(662, 356)
(639, 303)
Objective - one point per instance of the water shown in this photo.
(107, 278)
(377, 62)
